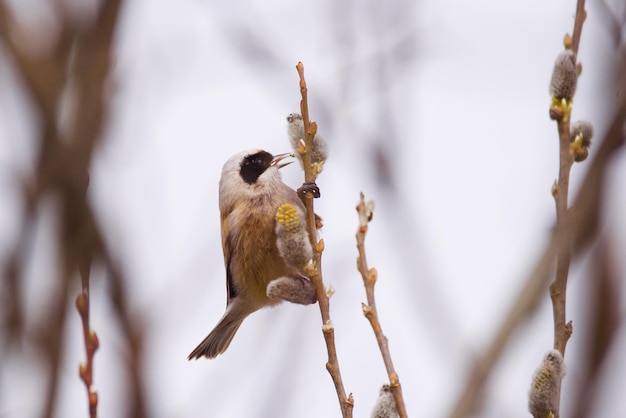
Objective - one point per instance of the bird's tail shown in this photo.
(219, 339)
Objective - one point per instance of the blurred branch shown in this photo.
(579, 226)
(613, 23)
(72, 74)
(603, 304)
(365, 211)
(49, 336)
(11, 302)
(581, 15)
(90, 338)
(44, 75)
(310, 128)
(132, 330)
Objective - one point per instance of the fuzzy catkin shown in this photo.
(295, 131)
(385, 404)
(584, 128)
(544, 393)
(292, 238)
(564, 76)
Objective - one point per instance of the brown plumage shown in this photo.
(250, 192)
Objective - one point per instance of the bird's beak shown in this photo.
(278, 158)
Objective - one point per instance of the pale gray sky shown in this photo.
(453, 94)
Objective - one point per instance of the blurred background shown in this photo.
(436, 110)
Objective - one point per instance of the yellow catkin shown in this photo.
(543, 396)
(287, 216)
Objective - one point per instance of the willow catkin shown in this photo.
(564, 76)
(544, 393)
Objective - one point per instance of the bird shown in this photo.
(254, 235)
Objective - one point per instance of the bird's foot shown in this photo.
(296, 289)
(308, 187)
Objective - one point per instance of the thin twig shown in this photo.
(578, 228)
(90, 338)
(370, 276)
(558, 289)
(581, 15)
(310, 128)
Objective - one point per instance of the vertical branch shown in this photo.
(560, 191)
(558, 289)
(579, 227)
(50, 339)
(370, 276)
(604, 302)
(581, 15)
(77, 65)
(310, 128)
(90, 338)
(133, 331)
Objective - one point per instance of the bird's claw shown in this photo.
(308, 187)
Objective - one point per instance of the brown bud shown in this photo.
(81, 303)
(301, 147)
(556, 113)
(93, 340)
(581, 154)
(83, 372)
(373, 275)
(319, 222)
(330, 291)
(567, 41)
(93, 399)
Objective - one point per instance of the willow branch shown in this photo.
(577, 229)
(81, 54)
(332, 365)
(581, 15)
(370, 276)
(558, 289)
(90, 338)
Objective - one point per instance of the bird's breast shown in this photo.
(250, 247)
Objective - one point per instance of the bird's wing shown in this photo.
(228, 247)
(231, 292)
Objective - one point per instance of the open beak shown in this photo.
(278, 158)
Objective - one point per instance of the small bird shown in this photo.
(255, 234)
